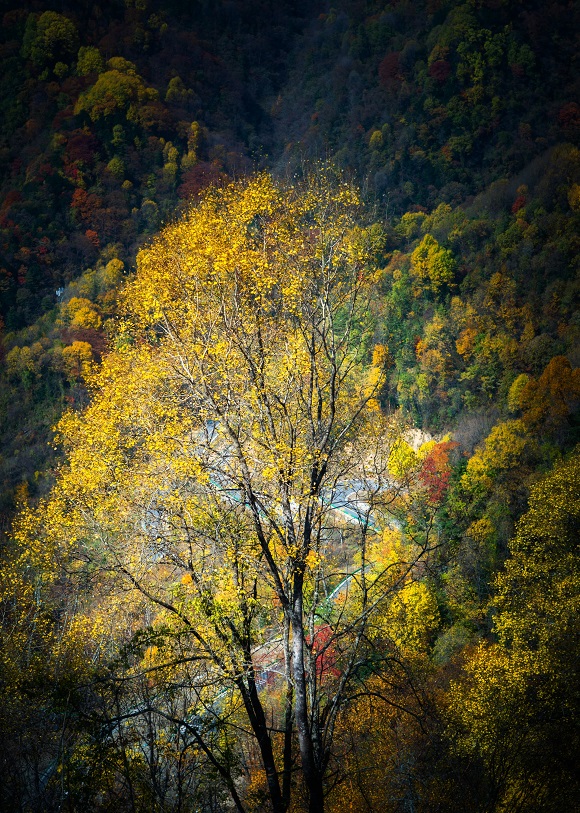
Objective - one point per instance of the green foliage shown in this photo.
(116, 167)
(409, 226)
(89, 60)
(530, 675)
(118, 94)
(176, 92)
(49, 38)
(514, 399)
(402, 460)
(432, 264)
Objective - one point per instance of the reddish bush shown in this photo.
(518, 204)
(92, 237)
(389, 68)
(86, 204)
(81, 146)
(569, 117)
(436, 471)
(13, 196)
(440, 70)
(198, 178)
(95, 338)
(325, 652)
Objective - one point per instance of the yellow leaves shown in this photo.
(402, 460)
(77, 360)
(462, 313)
(42, 639)
(199, 476)
(77, 645)
(270, 472)
(574, 197)
(544, 568)
(514, 399)
(377, 374)
(111, 274)
(465, 342)
(80, 313)
(526, 675)
(553, 398)
(21, 496)
(247, 234)
(313, 560)
(356, 248)
(24, 362)
(501, 451)
(410, 224)
(387, 550)
(150, 657)
(481, 531)
(381, 356)
(413, 616)
(476, 700)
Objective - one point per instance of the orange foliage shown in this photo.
(86, 204)
(92, 237)
(436, 470)
(554, 397)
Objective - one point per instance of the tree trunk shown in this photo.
(257, 719)
(310, 771)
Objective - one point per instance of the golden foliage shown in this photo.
(201, 477)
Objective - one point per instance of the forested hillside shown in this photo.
(289, 393)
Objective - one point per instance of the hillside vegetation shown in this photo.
(289, 404)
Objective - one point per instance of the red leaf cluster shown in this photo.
(436, 471)
(440, 70)
(389, 68)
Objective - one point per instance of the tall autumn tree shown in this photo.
(230, 478)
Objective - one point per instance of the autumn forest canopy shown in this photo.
(289, 406)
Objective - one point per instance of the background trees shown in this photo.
(461, 122)
(514, 710)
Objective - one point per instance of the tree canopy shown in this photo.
(210, 473)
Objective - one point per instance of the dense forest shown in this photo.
(289, 406)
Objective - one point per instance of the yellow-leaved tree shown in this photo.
(229, 473)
